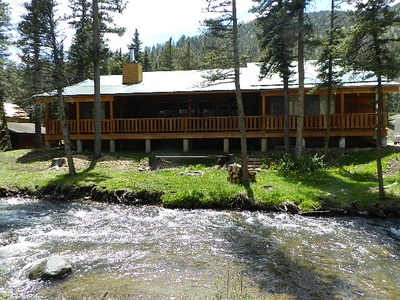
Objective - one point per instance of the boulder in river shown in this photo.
(54, 268)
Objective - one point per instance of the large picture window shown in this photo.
(87, 110)
(167, 109)
(312, 105)
(205, 108)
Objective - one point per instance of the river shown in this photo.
(149, 252)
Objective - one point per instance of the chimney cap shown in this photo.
(132, 54)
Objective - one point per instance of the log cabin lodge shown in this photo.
(178, 110)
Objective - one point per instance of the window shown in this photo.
(205, 108)
(167, 109)
(277, 107)
(183, 109)
(227, 110)
(311, 105)
(87, 110)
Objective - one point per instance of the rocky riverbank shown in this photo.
(383, 209)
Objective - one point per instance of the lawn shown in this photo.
(347, 180)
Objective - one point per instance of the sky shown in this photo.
(158, 20)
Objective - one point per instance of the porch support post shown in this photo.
(148, 146)
(342, 104)
(112, 146)
(48, 145)
(263, 105)
(384, 142)
(342, 143)
(264, 145)
(226, 145)
(79, 145)
(185, 145)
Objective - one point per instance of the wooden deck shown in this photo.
(359, 124)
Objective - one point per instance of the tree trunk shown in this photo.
(239, 100)
(97, 96)
(59, 80)
(378, 55)
(300, 106)
(379, 140)
(5, 140)
(64, 126)
(330, 83)
(37, 84)
(37, 118)
(286, 113)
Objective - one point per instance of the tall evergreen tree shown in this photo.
(114, 63)
(300, 10)
(136, 45)
(5, 141)
(102, 23)
(32, 30)
(58, 76)
(277, 39)
(80, 65)
(224, 27)
(186, 59)
(167, 59)
(330, 67)
(369, 48)
(146, 61)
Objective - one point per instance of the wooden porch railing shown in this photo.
(357, 121)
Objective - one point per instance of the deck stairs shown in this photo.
(255, 160)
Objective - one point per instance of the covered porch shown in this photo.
(260, 127)
(200, 116)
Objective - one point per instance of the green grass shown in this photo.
(349, 178)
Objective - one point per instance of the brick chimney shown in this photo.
(132, 72)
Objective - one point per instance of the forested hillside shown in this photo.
(195, 47)
(190, 52)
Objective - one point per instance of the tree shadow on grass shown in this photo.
(84, 165)
(347, 157)
(352, 187)
(87, 175)
(39, 155)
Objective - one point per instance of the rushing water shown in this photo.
(126, 252)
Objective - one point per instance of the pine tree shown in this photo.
(102, 23)
(136, 45)
(224, 29)
(369, 48)
(5, 141)
(300, 10)
(146, 61)
(330, 67)
(277, 39)
(32, 30)
(58, 76)
(186, 60)
(167, 58)
(114, 63)
(80, 65)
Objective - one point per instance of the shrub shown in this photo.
(305, 164)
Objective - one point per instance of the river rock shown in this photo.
(54, 268)
(288, 206)
(57, 163)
